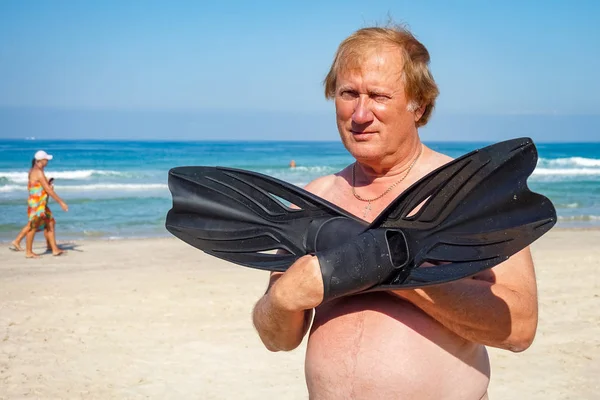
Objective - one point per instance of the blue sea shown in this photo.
(118, 189)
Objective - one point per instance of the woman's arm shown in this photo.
(41, 177)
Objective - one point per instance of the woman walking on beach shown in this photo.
(40, 216)
(16, 244)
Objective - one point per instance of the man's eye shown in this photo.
(348, 94)
(380, 97)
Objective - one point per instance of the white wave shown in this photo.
(317, 168)
(22, 176)
(580, 218)
(571, 161)
(99, 186)
(12, 188)
(566, 171)
(116, 186)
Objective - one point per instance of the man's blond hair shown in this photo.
(419, 86)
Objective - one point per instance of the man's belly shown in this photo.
(379, 346)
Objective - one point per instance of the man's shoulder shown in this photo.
(324, 184)
(436, 160)
(441, 157)
(321, 185)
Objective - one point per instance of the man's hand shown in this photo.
(283, 315)
(300, 287)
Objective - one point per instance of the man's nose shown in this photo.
(362, 112)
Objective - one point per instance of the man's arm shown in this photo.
(497, 307)
(282, 317)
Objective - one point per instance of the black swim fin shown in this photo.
(466, 216)
(476, 211)
(239, 216)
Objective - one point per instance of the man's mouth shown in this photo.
(362, 135)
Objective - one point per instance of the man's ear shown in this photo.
(419, 112)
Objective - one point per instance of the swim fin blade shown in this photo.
(466, 216)
(242, 216)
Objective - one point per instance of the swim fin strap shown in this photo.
(469, 215)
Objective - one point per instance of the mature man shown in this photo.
(426, 343)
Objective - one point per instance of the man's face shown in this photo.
(371, 106)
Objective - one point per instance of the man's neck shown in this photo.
(391, 166)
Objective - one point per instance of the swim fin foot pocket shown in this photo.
(466, 216)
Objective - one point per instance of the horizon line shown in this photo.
(161, 140)
(297, 112)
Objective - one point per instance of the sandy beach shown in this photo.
(157, 319)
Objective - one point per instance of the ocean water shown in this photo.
(118, 189)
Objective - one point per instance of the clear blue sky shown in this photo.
(135, 69)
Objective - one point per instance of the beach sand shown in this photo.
(157, 319)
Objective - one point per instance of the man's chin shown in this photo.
(363, 151)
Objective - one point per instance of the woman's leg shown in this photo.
(51, 237)
(17, 242)
(29, 244)
(47, 235)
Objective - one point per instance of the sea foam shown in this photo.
(22, 176)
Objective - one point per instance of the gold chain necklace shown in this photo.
(369, 201)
